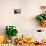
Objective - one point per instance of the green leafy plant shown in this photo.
(41, 17)
(11, 31)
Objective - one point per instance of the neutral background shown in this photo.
(25, 22)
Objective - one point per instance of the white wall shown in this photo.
(25, 22)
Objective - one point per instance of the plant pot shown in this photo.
(43, 23)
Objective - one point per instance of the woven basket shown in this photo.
(43, 23)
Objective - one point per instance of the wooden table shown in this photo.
(25, 44)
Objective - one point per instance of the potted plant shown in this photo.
(10, 31)
(42, 17)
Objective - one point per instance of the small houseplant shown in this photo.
(42, 17)
(11, 31)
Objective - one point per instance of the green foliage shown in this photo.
(11, 31)
(41, 17)
(45, 16)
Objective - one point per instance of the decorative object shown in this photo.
(10, 31)
(17, 11)
(42, 17)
